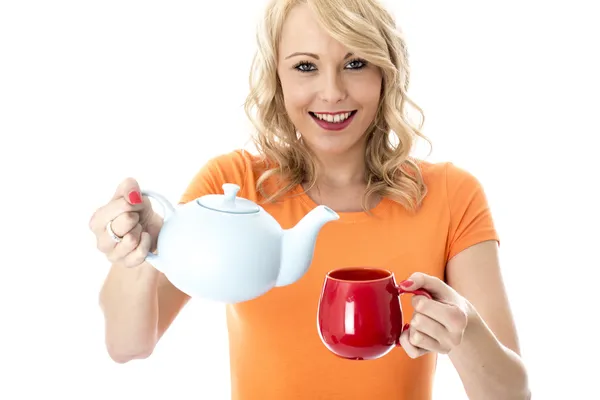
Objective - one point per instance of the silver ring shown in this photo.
(111, 233)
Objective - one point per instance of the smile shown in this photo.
(333, 121)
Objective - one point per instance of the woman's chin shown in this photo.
(332, 146)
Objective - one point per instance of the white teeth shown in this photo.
(336, 118)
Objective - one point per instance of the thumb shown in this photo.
(434, 286)
(129, 189)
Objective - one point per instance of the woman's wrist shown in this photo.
(482, 358)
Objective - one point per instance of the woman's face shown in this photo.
(331, 96)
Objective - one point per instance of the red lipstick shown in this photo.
(333, 126)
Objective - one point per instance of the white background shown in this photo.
(93, 92)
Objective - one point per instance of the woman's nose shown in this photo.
(333, 89)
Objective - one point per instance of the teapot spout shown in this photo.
(298, 244)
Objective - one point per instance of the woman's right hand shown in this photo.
(132, 220)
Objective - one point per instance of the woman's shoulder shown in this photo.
(455, 188)
(447, 176)
(235, 161)
(238, 166)
(460, 192)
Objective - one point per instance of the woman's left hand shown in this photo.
(438, 324)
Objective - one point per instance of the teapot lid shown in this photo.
(228, 202)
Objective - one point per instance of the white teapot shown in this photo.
(228, 249)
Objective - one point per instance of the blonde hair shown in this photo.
(365, 28)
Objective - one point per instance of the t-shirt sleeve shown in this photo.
(225, 168)
(471, 219)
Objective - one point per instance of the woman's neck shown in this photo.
(344, 170)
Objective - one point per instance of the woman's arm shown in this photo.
(488, 358)
(139, 304)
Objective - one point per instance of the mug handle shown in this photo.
(418, 292)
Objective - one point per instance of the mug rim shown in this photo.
(389, 273)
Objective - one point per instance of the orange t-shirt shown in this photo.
(275, 349)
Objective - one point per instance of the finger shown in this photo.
(137, 256)
(435, 286)
(124, 223)
(449, 315)
(105, 242)
(411, 350)
(434, 330)
(424, 342)
(129, 189)
(128, 244)
(109, 212)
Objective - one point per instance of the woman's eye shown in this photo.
(356, 64)
(305, 67)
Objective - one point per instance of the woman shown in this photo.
(329, 101)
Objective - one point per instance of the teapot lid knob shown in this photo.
(230, 190)
(228, 202)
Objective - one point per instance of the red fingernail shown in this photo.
(405, 327)
(135, 197)
(407, 283)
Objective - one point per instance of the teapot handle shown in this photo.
(167, 211)
(165, 205)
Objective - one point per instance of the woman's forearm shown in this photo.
(488, 369)
(129, 301)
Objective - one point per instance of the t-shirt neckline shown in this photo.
(345, 216)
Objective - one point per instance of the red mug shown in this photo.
(359, 315)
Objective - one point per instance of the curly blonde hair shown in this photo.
(365, 27)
